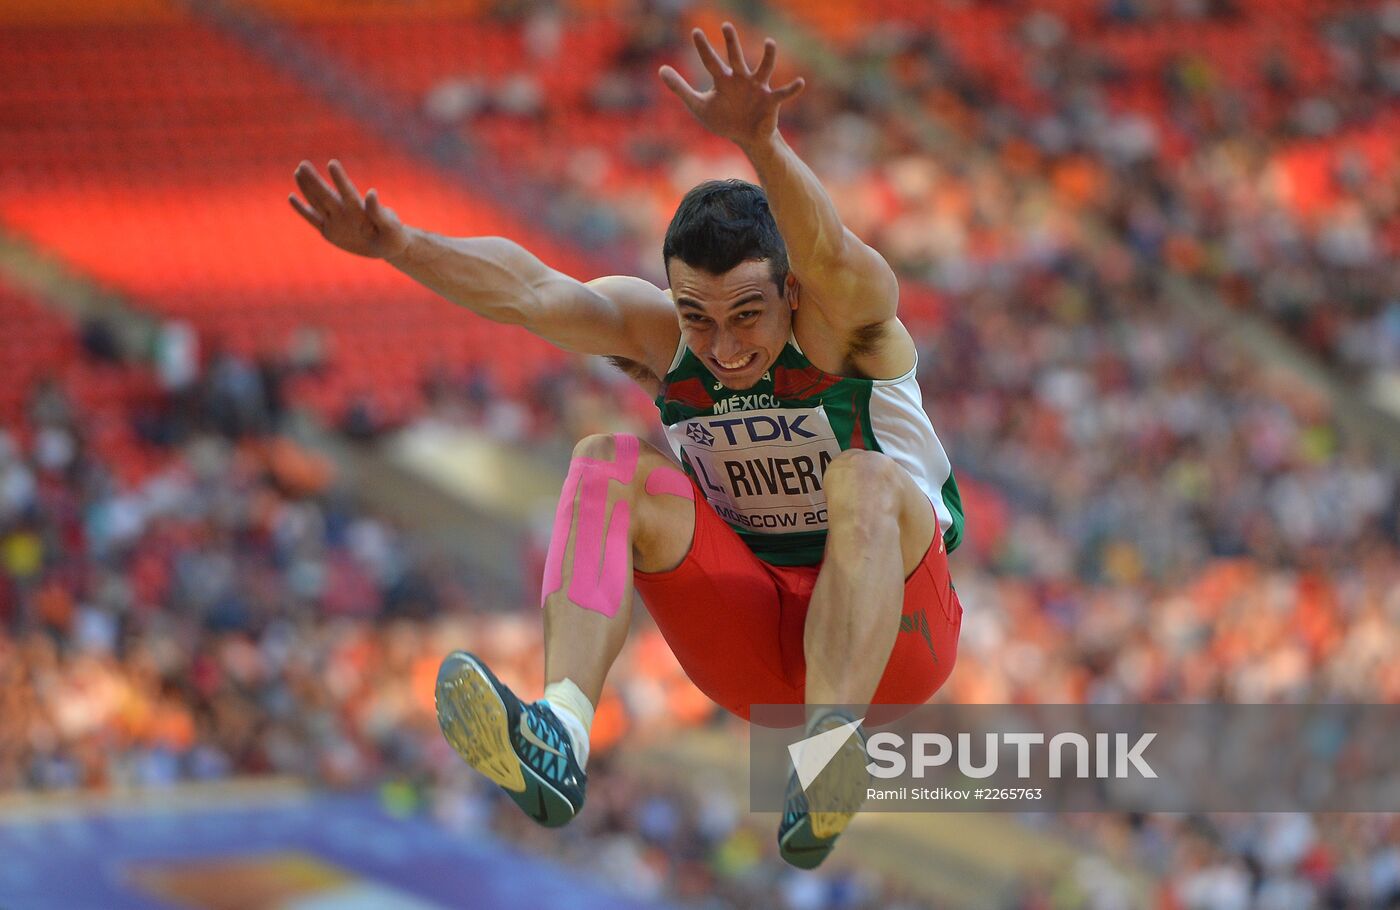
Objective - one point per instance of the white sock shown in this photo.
(575, 711)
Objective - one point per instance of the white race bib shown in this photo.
(762, 470)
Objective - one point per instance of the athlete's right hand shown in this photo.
(360, 226)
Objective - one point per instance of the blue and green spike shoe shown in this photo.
(522, 747)
(814, 819)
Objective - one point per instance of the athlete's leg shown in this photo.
(624, 504)
(620, 496)
(880, 527)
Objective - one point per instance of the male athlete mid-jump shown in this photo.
(797, 552)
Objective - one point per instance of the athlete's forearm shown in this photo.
(806, 216)
(493, 277)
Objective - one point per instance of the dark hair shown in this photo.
(722, 223)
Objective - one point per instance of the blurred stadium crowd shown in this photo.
(1154, 514)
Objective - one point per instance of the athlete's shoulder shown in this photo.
(880, 350)
(648, 314)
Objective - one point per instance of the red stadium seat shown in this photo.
(157, 160)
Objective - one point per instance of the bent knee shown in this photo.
(618, 453)
(599, 446)
(862, 481)
(636, 465)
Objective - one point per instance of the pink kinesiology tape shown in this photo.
(601, 547)
(670, 481)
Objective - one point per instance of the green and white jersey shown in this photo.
(759, 455)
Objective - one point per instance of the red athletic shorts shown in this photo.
(735, 622)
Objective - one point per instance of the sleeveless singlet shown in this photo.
(759, 455)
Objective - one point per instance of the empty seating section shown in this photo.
(88, 12)
(157, 159)
(370, 11)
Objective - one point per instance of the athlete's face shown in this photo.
(738, 322)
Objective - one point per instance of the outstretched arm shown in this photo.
(848, 281)
(493, 277)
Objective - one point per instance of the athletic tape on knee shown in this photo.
(670, 481)
(601, 547)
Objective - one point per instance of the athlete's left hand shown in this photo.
(742, 107)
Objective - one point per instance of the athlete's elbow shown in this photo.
(550, 308)
(517, 313)
(499, 309)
